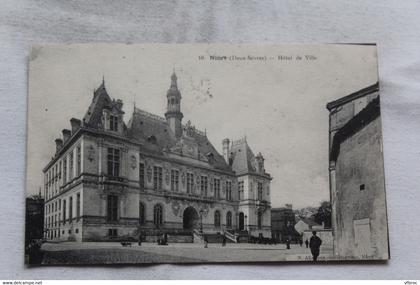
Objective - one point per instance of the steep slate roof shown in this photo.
(156, 136)
(101, 100)
(243, 159)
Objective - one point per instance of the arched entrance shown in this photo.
(241, 221)
(190, 219)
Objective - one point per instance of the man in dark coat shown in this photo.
(314, 243)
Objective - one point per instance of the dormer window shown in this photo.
(113, 123)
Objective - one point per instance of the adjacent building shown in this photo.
(110, 180)
(282, 223)
(359, 218)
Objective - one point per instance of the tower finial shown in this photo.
(174, 79)
(103, 80)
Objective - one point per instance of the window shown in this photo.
(157, 178)
(204, 185)
(241, 190)
(362, 187)
(112, 233)
(260, 191)
(113, 162)
(229, 219)
(71, 165)
(79, 161)
(216, 183)
(70, 209)
(217, 219)
(78, 206)
(175, 180)
(157, 215)
(141, 175)
(141, 214)
(113, 123)
(64, 211)
(190, 183)
(229, 190)
(259, 220)
(112, 214)
(65, 170)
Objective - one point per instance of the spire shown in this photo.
(173, 80)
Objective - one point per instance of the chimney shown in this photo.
(66, 135)
(58, 144)
(226, 152)
(260, 163)
(75, 125)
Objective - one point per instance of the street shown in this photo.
(113, 252)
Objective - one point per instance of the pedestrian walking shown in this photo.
(300, 242)
(315, 243)
(307, 243)
(140, 237)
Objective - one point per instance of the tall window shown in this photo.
(142, 216)
(157, 178)
(141, 175)
(70, 209)
(260, 191)
(241, 190)
(259, 220)
(112, 214)
(113, 123)
(216, 183)
(175, 180)
(78, 160)
(229, 190)
(190, 183)
(157, 215)
(113, 162)
(204, 185)
(229, 219)
(71, 165)
(78, 206)
(217, 219)
(64, 211)
(64, 170)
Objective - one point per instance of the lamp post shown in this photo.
(201, 220)
(246, 222)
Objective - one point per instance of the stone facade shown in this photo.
(357, 185)
(109, 180)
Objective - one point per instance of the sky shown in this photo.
(275, 95)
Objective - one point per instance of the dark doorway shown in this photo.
(190, 218)
(241, 221)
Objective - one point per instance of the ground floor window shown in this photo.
(217, 219)
(259, 220)
(141, 214)
(158, 215)
(112, 232)
(229, 219)
(112, 214)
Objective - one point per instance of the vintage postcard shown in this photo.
(202, 153)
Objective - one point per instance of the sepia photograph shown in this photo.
(204, 153)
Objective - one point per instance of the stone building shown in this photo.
(357, 187)
(110, 180)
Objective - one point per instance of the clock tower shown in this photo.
(173, 113)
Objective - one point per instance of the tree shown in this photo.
(323, 214)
